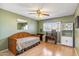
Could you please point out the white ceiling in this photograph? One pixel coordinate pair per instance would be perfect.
(54, 9)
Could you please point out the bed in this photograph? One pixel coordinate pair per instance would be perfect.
(22, 41)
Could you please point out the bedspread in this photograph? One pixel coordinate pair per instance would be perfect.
(26, 42)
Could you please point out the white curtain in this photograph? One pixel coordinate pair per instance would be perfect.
(52, 25)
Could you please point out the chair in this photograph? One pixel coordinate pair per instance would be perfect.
(51, 36)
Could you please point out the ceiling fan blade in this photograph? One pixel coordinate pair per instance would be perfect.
(46, 14)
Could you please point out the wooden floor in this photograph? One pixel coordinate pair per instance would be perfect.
(48, 49)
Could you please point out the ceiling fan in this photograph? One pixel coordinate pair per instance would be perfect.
(39, 12)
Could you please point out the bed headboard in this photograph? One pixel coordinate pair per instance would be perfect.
(20, 35)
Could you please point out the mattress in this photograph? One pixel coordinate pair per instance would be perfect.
(26, 42)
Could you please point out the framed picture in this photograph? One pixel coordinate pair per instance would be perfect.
(22, 24)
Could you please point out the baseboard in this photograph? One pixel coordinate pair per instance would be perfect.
(65, 45)
(76, 52)
(3, 50)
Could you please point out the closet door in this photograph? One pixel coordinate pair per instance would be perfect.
(67, 34)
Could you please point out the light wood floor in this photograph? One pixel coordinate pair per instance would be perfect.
(46, 49)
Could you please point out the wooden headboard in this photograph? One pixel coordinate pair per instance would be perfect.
(20, 35)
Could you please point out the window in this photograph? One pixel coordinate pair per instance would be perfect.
(52, 25)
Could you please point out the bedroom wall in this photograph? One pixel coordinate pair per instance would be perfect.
(8, 26)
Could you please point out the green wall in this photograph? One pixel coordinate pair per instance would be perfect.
(76, 31)
(8, 26)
